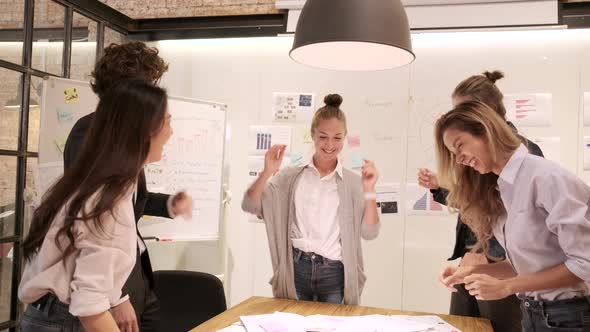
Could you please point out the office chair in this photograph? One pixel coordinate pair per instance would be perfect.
(188, 298)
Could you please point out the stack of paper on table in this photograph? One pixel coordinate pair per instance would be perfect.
(287, 322)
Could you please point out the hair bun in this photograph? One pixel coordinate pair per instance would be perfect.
(494, 75)
(333, 100)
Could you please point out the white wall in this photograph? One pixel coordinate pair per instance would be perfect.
(403, 262)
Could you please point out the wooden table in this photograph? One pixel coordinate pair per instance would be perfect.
(264, 305)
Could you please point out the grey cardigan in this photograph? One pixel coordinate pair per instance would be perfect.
(277, 208)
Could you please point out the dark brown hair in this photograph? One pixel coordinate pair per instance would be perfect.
(328, 111)
(112, 155)
(129, 61)
(483, 88)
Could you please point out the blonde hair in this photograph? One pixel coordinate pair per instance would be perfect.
(330, 110)
(474, 194)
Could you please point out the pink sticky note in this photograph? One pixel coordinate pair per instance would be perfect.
(273, 326)
(354, 141)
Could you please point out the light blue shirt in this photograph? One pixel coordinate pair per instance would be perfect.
(547, 221)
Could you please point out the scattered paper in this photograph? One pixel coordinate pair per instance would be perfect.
(278, 321)
(287, 322)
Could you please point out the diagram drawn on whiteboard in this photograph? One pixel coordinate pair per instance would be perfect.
(421, 149)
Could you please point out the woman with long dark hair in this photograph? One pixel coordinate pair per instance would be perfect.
(82, 243)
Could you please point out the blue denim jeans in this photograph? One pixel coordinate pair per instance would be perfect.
(556, 316)
(50, 316)
(318, 278)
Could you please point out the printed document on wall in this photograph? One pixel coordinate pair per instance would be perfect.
(261, 138)
(419, 201)
(529, 110)
(293, 107)
(388, 197)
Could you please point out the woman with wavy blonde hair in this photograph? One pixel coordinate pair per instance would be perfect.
(536, 209)
(504, 314)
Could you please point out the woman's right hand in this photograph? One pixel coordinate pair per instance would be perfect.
(452, 275)
(273, 158)
(427, 179)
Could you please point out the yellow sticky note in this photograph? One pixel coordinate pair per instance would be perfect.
(71, 95)
(307, 137)
(61, 144)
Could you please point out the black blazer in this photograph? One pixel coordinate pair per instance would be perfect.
(146, 203)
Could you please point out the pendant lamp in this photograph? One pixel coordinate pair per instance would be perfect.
(353, 35)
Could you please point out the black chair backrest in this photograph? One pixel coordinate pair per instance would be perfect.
(188, 298)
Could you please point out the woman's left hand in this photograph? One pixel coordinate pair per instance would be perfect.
(369, 176)
(484, 287)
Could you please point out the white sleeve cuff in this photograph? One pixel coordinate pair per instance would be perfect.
(119, 301)
(85, 303)
(578, 270)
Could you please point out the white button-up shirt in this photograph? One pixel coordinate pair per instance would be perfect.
(316, 205)
(547, 221)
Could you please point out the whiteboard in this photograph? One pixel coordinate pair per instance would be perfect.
(192, 159)
(64, 101)
(193, 162)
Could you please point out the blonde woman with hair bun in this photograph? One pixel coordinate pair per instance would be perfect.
(316, 215)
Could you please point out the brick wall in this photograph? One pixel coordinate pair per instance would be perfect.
(189, 8)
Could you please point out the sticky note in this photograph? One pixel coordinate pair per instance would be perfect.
(64, 115)
(307, 137)
(356, 162)
(71, 95)
(354, 141)
(296, 159)
(61, 144)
